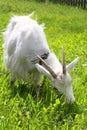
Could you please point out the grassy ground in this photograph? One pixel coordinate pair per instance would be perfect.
(65, 26)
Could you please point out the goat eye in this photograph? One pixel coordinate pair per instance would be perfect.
(60, 77)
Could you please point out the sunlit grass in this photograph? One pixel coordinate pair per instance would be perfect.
(65, 26)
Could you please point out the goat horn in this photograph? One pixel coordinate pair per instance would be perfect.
(47, 67)
(63, 61)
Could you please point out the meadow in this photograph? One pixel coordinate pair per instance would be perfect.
(64, 26)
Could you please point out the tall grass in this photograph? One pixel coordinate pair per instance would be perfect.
(65, 26)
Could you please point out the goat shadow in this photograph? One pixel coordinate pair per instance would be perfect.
(47, 96)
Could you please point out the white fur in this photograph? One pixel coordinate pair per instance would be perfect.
(24, 39)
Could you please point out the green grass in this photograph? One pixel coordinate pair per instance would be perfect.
(65, 26)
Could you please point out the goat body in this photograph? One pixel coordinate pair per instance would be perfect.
(25, 39)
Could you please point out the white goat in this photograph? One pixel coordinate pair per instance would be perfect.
(26, 52)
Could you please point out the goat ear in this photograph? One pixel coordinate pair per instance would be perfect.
(41, 69)
(72, 64)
